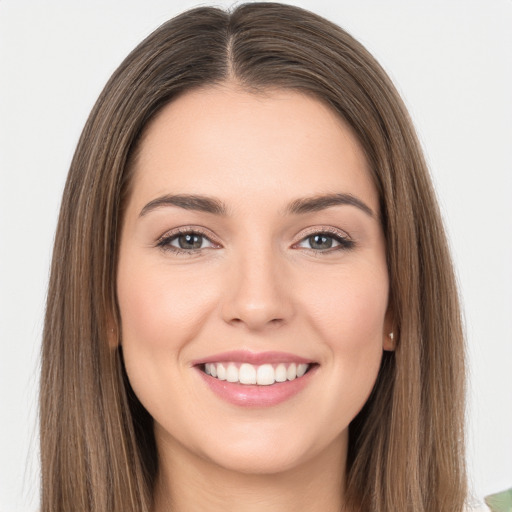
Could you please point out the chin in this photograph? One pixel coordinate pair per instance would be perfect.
(274, 452)
(265, 462)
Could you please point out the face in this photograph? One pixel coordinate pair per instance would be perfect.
(252, 279)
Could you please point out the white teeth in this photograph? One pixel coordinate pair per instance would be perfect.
(280, 373)
(232, 373)
(265, 375)
(291, 373)
(221, 372)
(301, 369)
(262, 375)
(247, 374)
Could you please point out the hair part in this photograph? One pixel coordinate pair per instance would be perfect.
(97, 446)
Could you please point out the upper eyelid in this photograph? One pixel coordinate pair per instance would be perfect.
(170, 233)
(206, 232)
(329, 230)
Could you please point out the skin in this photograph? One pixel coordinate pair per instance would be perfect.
(256, 284)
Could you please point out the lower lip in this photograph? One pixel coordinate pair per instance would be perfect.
(247, 395)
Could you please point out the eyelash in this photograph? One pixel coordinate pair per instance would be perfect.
(164, 242)
(344, 241)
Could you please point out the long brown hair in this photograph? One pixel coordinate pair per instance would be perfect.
(97, 446)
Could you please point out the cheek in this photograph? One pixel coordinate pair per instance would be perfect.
(160, 309)
(350, 312)
(161, 313)
(349, 318)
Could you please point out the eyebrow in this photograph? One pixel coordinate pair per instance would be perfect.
(187, 202)
(321, 202)
(299, 206)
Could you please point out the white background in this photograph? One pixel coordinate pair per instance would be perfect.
(451, 60)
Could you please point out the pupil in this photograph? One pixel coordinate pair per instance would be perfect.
(190, 241)
(320, 242)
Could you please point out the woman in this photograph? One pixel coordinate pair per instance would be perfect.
(252, 304)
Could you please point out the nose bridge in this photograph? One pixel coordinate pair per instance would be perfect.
(256, 295)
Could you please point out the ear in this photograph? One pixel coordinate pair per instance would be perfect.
(389, 336)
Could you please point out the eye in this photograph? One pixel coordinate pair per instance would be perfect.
(189, 241)
(326, 242)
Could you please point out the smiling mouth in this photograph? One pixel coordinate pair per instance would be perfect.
(260, 375)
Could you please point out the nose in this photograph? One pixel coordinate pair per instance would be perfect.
(257, 293)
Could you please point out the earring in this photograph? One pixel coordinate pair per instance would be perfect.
(391, 336)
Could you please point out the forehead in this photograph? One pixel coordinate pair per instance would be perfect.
(225, 141)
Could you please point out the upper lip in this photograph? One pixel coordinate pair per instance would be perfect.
(255, 358)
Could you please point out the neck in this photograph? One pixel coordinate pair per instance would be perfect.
(189, 483)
